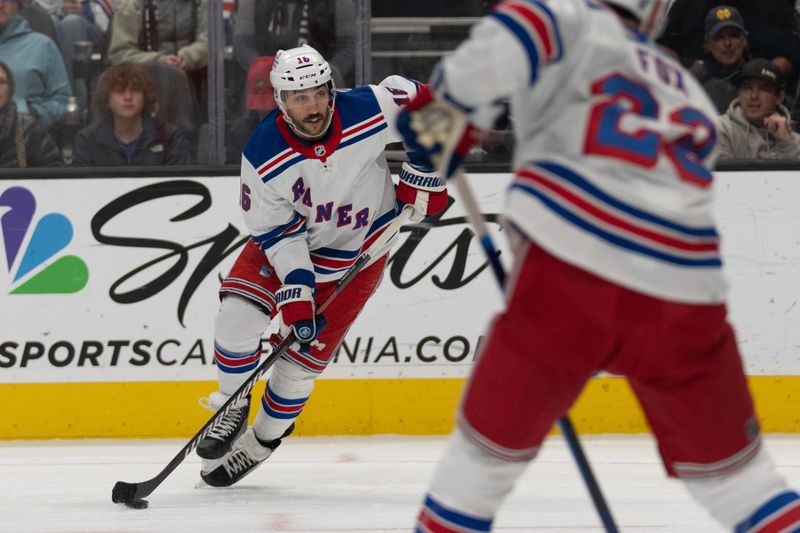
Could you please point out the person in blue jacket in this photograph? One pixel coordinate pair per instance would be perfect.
(43, 87)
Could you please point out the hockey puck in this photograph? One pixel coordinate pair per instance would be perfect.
(137, 504)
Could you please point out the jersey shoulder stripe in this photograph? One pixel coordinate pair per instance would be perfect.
(267, 150)
(577, 201)
(356, 106)
(279, 163)
(361, 131)
(535, 27)
(361, 115)
(265, 142)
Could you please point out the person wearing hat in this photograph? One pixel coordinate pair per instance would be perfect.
(771, 28)
(757, 125)
(726, 52)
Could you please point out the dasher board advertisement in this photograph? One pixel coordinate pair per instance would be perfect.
(109, 280)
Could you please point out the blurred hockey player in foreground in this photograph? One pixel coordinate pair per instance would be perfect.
(315, 192)
(616, 259)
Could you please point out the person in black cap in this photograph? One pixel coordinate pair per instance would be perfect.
(757, 125)
(726, 51)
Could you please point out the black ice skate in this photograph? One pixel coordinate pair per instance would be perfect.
(220, 439)
(248, 452)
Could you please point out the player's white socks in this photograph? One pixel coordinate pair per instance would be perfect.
(238, 328)
(284, 398)
(755, 495)
(475, 484)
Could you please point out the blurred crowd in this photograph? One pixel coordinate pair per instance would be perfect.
(125, 82)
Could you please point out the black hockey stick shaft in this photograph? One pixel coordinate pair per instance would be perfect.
(124, 492)
(564, 423)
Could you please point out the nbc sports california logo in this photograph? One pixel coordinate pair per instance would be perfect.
(34, 246)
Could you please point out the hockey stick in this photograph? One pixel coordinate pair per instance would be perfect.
(564, 423)
(131, 494)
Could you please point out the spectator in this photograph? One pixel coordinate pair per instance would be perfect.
(265, 26)
(23, 141)
(260, 101)
(128, 134)
(772, 30)
(173, 32)
(39, 20)
(726, 53)
(757, 125)
(42, 85)
(79, 21)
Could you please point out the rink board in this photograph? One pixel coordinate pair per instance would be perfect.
(337, 407)
(107, 328)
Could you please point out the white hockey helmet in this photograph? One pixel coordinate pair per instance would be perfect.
(647, 12)
(297, 69)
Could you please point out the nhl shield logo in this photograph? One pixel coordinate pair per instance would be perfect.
(319, 150)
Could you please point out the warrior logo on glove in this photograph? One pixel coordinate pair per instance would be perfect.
(295, 300)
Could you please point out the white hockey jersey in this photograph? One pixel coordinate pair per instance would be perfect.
(317, 205)
(614, 147)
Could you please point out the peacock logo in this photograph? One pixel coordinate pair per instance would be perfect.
(35, 272)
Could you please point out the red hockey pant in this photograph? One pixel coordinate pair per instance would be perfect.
(563, 324)
(254, 278)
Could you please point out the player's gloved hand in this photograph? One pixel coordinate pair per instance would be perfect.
(436, 132)
(295, 301)
(426, 192)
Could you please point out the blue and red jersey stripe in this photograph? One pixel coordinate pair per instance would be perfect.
(576, 200)
(535, 27)
(295, 226)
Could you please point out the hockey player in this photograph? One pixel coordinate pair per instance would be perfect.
(315, 192)
(616, 259)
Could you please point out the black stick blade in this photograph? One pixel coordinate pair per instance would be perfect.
(123, 492)
(137, 504)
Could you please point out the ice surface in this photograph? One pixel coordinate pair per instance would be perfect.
(341, 485)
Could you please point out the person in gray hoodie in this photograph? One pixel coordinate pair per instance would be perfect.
(757, 125)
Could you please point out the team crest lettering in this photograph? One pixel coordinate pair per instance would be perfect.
(343, 215)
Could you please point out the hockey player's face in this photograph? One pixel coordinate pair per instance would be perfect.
(127, 102)
(309, 109)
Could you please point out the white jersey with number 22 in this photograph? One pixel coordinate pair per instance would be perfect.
(615, 143)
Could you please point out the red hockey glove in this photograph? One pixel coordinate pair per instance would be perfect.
(426, 192)
(295, 301)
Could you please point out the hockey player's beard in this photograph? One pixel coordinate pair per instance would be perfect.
(313, 126)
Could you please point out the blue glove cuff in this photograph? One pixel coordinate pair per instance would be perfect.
(301, 276)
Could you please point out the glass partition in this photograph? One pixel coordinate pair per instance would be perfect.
(184, 82)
